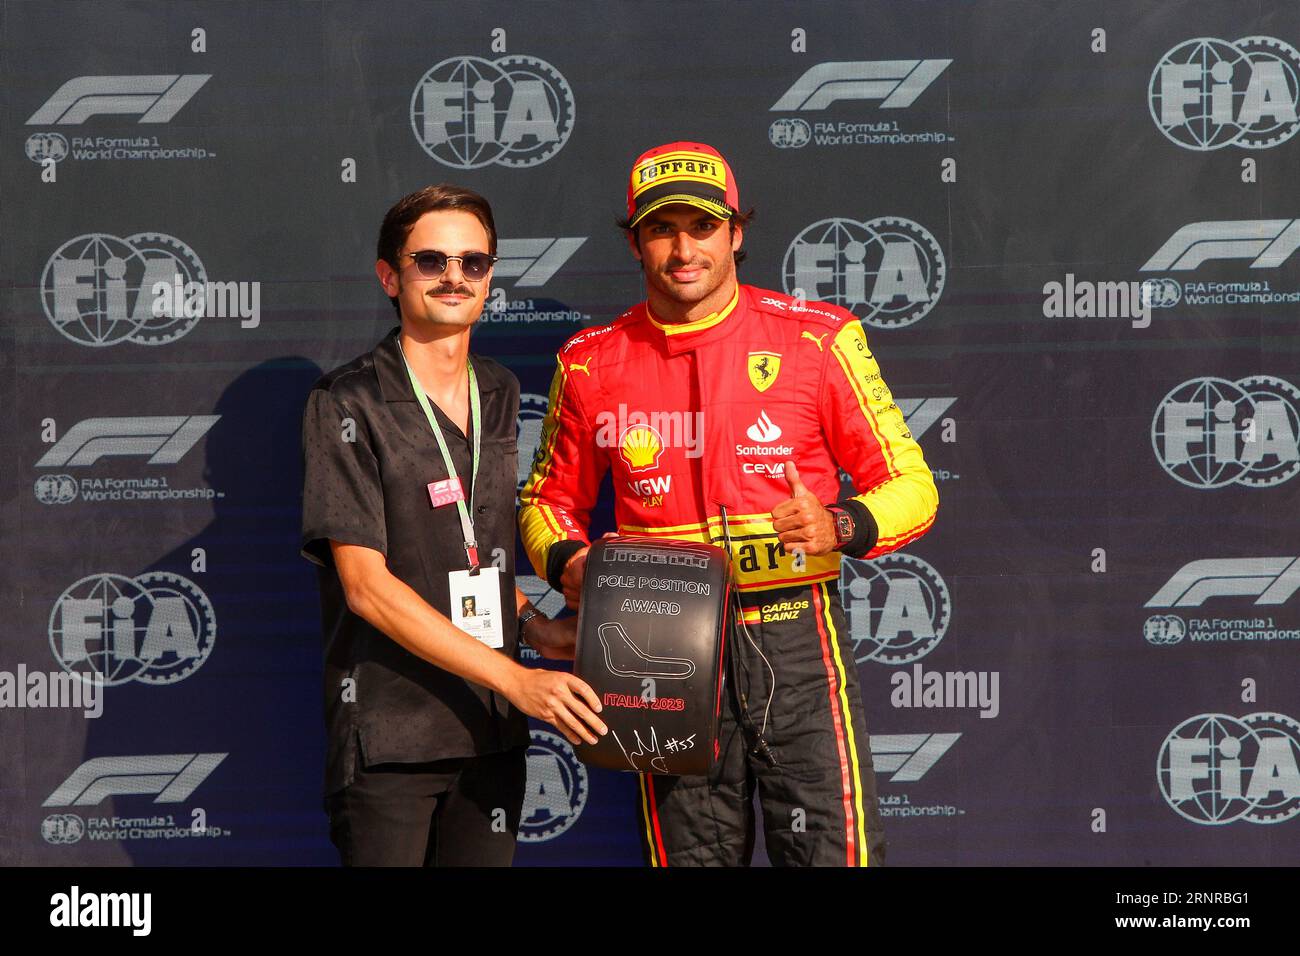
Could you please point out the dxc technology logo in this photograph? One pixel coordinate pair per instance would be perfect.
(1209, 93)
(468, 112)
(1211, 432)
(887, 271)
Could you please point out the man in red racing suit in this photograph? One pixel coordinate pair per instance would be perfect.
(716, 398)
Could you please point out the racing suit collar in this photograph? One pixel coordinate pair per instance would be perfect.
(682, 337)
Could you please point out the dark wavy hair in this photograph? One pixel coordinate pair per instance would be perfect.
(406, 212)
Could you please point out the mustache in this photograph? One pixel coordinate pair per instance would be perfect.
(452, 290)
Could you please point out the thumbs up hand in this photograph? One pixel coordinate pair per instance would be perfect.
(800, 521)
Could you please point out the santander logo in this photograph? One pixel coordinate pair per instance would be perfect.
(763, 430)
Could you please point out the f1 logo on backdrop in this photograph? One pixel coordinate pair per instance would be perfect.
(1209, 93)
(909, 757)
(886, 84)
(1211, 432)
(895, 83)
(533, 261)
(921, 413)
(164, 438)
(1268, 580)
(169, 778)
(156, 628)
(154, 98)
(1266, 242)
(887, 271)
(1215, 769)
(468, 112)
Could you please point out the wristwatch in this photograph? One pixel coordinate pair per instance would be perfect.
(529, 613)
(844, 525)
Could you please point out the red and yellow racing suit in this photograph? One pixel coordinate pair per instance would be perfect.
(696, 418)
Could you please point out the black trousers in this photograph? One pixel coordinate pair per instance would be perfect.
(818, 795)
(462, 812)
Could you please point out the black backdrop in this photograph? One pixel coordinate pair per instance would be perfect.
(1115, 568)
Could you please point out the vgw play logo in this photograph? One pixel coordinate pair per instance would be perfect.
(468, 112)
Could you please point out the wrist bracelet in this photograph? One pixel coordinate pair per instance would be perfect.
(524, 618)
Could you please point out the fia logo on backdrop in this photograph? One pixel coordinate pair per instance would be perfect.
(898, 607)
(1212, 432)
(147, 289)
(1215, 769)
(1208, 93)
(556, 790)
(155, 628)
(468, 112)
(887, 271)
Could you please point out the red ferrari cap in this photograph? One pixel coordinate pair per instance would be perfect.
(690, 173)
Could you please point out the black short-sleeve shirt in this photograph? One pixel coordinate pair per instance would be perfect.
(368, 456)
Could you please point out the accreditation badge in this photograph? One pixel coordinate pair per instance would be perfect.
(476, 604)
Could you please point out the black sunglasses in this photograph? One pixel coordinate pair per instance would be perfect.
(473, 265)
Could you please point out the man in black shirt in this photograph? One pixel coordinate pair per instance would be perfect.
(408, 509)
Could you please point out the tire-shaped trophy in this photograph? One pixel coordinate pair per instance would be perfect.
(652, 629)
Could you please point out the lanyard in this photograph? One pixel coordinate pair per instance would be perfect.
(475, 416)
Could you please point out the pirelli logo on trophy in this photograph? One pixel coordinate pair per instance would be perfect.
(650, 644)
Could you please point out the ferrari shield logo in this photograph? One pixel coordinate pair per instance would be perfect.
(763, 369)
